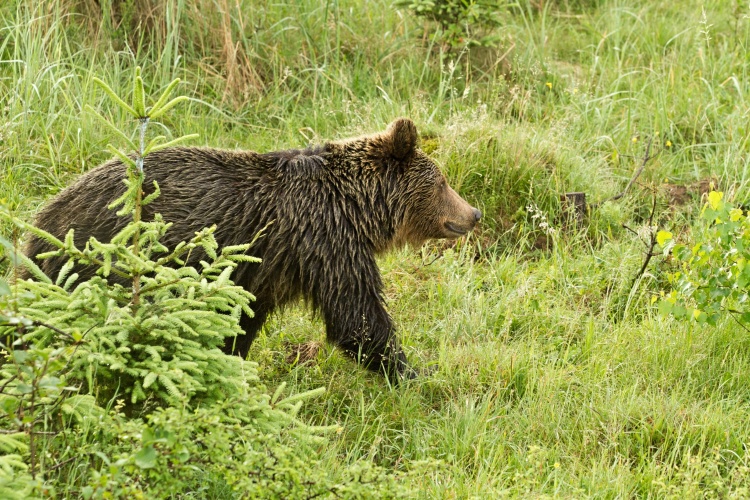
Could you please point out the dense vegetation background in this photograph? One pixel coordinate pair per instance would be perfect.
(555, 373)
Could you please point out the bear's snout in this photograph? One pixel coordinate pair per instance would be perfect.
(460, 217)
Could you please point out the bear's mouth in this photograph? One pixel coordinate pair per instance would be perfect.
(456, 230)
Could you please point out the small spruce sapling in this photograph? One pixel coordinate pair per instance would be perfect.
(161, 338)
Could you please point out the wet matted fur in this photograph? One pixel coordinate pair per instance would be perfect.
(327, 212)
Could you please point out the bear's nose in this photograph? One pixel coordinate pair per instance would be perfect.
(477, 215)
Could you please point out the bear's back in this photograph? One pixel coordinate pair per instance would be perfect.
(235, 190)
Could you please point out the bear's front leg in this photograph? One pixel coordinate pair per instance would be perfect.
(376, 354)
(357, 322)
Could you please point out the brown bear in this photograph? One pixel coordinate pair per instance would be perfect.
(325, 212)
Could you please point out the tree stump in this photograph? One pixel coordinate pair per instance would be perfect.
(574, 207)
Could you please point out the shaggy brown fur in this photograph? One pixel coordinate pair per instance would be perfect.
(327, 212)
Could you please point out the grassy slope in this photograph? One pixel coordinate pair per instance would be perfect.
(555, 377)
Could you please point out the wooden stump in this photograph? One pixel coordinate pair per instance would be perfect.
(574, 207)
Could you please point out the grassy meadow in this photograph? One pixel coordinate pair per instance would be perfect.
(555, 375)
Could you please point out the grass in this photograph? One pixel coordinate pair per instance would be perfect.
(555, 377)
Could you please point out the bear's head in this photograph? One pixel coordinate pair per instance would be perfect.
(427, 207)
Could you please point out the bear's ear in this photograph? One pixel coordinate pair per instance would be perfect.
(402, 134)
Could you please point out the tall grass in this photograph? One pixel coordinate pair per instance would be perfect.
(554, 375)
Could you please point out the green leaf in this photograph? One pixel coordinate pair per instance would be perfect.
(24, 388)
(182, 453)
(148, 435)
(699, 316)
(679, 312)
(50, 383)
(146, 458)
(20, 356)
(4, 288)
(662, 237)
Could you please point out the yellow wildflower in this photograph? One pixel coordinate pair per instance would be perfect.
(714, 198)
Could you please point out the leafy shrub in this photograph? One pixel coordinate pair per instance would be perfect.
(714, 275)
(460, 22)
